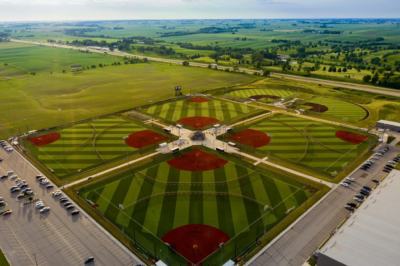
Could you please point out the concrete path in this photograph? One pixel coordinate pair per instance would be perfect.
(111, 170)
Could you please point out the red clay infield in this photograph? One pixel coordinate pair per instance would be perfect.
(45, 139)
(195, 241)
(144, 138)
(198, 99)
(197, 160)
(198, 122)
(251, 137)
(351, 137)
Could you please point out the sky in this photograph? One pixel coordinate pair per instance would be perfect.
(28, 10)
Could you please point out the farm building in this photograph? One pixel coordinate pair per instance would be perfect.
(391, 125)
(372, 234)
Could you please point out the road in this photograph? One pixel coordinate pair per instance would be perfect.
(299, 241)
(347, 85)
(28, 238)
(342, 84)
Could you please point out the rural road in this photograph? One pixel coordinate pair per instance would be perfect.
(347, 85)
(299, 241)
(29, 238)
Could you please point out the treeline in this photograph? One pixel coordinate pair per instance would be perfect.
(4, 37)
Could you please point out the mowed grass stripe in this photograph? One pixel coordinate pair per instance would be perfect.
(182, 206)
(210, 208)
(125, 216)
(225, 218)
(154, 208)
(246, 190)
(196, 199)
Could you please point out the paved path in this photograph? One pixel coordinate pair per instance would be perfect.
(347, 85)
(111, 169)
(288, 170)
(28, 238)
(299, 241)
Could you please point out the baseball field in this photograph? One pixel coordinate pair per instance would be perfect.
(199, 202)
(73, 149)
(199, 112)
(324, 148)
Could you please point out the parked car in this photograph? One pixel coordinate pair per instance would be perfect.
(45, 210)
(75, 212)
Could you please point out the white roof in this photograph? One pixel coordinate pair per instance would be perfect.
(387, 122)
(372, 235)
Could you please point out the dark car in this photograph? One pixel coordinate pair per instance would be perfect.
(376, 181)
(89, 260)
(364, 193)
(367, 188)
(349, 208)
(352, 204)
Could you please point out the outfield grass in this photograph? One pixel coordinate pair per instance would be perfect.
(309, 144)
(339, 109)
(146, 203)
(224, 111)
(47, 100)
(86, 145)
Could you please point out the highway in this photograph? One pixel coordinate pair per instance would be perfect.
(347, 85)
(29, 238)
(299, 241)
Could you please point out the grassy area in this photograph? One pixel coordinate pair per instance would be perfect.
(308, 144)
(243, 201)
(3, 260)
(46, 100)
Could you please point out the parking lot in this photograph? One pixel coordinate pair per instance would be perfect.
(53, 237)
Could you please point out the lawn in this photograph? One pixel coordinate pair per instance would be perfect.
(86, 145)
(307, 144)
(219, 110)
(3, 260)
(51, 99)
(242, 201)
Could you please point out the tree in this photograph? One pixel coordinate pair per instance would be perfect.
(185, 63)
(375, 78)
(367, 78)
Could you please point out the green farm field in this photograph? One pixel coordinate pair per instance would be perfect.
(308, 144)
(223, 111)
(86, 145)
(51, 99)
(244, 202)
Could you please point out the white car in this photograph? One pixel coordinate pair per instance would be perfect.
(56, 194)
(344, 185)
(45, 209)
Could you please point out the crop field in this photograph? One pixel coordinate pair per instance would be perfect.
(324, 148)
(71, 150)
(339, 109)
(199, 108)
(152, 203)
(49, 99)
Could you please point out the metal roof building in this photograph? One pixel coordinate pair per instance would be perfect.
(372, 234)
(385, 124)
